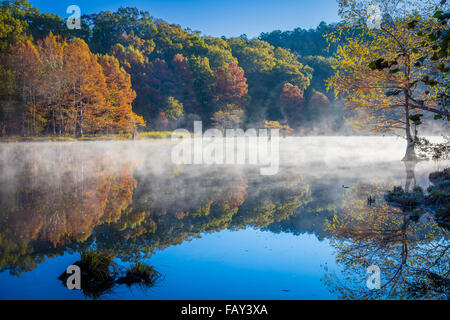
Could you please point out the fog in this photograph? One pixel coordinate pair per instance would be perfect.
(129, 197)
(342, 160)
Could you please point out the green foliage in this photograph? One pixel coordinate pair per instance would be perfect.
(383, 74)
(267, 69)
(12, 22)
(323, 70)
(174, 109)
(175, 72)
(230, 116)
(310, 42)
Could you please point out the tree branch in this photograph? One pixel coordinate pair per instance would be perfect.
(437, 111)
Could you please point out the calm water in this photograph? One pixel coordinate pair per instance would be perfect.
(220, 232)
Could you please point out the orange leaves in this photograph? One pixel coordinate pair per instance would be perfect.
(292, 104)
(291, 94)
(120, 117)
(24, 61)
(285, 129)
(65, 85)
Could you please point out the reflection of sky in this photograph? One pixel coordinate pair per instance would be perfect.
(245, 264)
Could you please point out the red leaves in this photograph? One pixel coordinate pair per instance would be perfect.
(231, 84)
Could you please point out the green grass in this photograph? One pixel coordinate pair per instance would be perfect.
(140, 273)
(159, 135)
(97, 265)
(97, 137)
(36, 139)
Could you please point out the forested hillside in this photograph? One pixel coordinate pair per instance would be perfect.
(126, 70)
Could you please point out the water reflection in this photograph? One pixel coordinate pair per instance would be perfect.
(130, 201)
(405, 242)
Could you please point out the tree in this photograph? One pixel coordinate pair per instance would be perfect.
(204, 82)
(174, 109)
(323, 70)
(231, 85)
(120, 117)
(319, 106)
(228, 117)
(86, 88)
(185, 83)
(411, 253)
(108, 28)
(137, 64)
(25, 62)
(293, 104)
(304, 42)
(267, 69)
(436, 55)
(285, 129)
(52, 87)
(378, 70)
(12, 22)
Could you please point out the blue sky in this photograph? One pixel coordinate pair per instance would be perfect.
(216, 17)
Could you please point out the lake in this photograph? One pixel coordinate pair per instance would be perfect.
(221, 231)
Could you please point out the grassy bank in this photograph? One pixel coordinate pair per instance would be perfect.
(100, 137)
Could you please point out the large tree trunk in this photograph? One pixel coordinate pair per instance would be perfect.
(410, 154)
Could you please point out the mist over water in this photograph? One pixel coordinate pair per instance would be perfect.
(127, 197)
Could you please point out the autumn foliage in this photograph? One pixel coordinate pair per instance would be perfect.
(67, 89)
(124, 70)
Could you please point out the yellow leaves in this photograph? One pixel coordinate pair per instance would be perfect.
(368, 90)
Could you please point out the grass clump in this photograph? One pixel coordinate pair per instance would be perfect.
(99, 266)
(98, 271)
(100, 274)
(140, 273)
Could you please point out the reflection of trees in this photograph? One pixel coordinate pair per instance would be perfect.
(410, 182)
(272, 201)
(321, 204)
(52, 210)
(411, 253)
(212, 202)
(78, 198)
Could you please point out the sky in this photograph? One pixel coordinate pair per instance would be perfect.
(216, 17)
